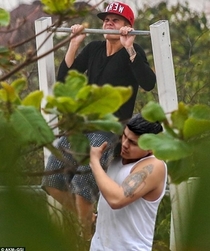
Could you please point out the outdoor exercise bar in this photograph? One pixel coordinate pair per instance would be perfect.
(102, 31)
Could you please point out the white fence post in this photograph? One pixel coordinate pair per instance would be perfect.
(166, 85)
(46, 65)
(163, 60)
(46, 72)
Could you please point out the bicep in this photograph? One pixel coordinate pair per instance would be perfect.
(133, 183)
(146, 183)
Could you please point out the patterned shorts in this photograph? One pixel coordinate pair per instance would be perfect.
(81, 184)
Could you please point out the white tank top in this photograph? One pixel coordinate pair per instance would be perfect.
(130, 228)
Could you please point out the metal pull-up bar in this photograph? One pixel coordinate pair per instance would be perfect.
(102, 31)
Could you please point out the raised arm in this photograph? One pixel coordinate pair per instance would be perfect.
(139, 65)
(74, 43)
(146, 180)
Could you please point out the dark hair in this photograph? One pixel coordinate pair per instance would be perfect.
(138, 125)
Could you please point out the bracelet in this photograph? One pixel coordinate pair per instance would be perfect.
(132, 53)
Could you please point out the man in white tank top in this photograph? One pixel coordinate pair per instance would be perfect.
(130, 192)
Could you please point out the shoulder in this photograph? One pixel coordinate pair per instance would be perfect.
(154, 173)
(152, 165)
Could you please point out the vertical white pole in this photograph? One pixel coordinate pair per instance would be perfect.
(46, 73)
(163, 60)
(46, 67)
(166, 85)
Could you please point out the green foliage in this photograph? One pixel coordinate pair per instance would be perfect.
(64, 8)
(53, 6)
(153, 112)
(25, 222)
(83, 108)
(189, 126)
(182, 135)
(79, 108)
(4, 57)
(87, 104)
(184, 143)
(26, 121)
(4, 17)
(190, 40)
(162, 228)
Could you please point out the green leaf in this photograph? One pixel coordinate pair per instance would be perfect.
(51, 102)
(179, 116)
(9, 140)
(3, 95)
(33, 99)
(109, 124)
(10, 92)
(4, 50)
(62, 104)
(201, 112)
(66, 105)
(198, 122)
(194, 127)
(80, 147)
(24, 211)
(180, 170)
(4, 17)
(19, 84)
(31, 125)
(153, 112)
(164, 146)
(73, 83)
(104, 100)
(54, 6)
(125, 92)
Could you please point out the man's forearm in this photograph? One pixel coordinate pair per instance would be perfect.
(108, 187)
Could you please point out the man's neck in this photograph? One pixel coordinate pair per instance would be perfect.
(128, 161)
(112, 47)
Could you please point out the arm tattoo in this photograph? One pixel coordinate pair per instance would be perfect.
(135, 180)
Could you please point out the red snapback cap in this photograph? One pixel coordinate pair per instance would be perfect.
(118, 8)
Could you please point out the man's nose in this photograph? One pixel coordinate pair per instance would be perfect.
(125, 143)
(109, 21)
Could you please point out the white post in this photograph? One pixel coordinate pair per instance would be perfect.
(46, 72)
(166, 85)
(46, 66)
(163, 60)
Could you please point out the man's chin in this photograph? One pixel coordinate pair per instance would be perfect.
(124, 155)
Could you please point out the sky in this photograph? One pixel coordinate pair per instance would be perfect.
(194, 4)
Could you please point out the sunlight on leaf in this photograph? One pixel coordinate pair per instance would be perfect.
(61, 104)
(19, 84)
(10, 93)
(57, 7)
(33, 99)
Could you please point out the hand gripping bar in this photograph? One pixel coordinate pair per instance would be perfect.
(102, 31)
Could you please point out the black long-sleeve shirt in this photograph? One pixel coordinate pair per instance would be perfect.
(116, 70)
